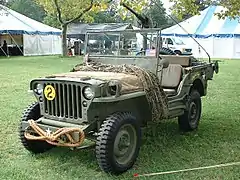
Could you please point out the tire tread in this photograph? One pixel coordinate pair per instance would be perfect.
(105, 138)
(32, 112)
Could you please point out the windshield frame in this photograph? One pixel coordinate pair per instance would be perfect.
(156, 37)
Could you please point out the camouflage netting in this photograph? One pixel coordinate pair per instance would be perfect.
(156, 97)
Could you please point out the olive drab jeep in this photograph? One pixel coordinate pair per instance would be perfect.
(114, 93)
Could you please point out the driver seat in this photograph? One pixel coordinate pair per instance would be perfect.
(171, 78)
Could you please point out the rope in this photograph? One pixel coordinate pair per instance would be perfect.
(186, 170)
(155, 95)
(54, 138)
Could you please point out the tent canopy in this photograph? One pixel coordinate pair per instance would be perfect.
(12, 22)
(36, 38)
(206, 25)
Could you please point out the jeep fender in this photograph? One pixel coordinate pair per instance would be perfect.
(136, 103)
(199, 85)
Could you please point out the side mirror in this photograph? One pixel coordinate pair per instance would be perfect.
(164, 63)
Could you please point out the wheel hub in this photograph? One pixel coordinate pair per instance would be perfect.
(193, 113)
(193, 110)
(125, 144)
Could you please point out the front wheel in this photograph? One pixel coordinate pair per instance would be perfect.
(178, 52)
(166, 51)
(35, 147)
(190, 119)
(118, 143)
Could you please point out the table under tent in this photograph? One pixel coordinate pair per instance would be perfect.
(20, 35)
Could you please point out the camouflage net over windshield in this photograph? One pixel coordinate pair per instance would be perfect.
(156, 97)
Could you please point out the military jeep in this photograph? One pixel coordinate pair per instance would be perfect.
(110, 108)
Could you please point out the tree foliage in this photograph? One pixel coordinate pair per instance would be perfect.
(183, 8)
(52, 20)
(108, 16)
(157, 14)
(28, 8)
(69, 11)
(3, 2)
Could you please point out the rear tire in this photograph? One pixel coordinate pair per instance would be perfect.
(189, 121)
(33, 112)
(112, 156)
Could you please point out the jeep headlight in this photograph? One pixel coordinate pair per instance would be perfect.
(38, 89)
(88, 93)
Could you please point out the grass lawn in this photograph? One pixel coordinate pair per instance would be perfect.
(216, 141)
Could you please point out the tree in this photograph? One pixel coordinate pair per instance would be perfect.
(108, 16)
(69, 11)
(157, 14)
(154, 16)
(28, 8)
(3, 2)
(193, 7)
(52, 20)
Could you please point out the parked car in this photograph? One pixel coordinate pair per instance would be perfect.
(176, 45)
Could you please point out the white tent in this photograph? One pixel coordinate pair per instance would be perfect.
(29, 36)
(221, 38)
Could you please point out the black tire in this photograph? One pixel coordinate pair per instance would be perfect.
(178, 52)
(189, 121)
(106, 151)
(166, 51)
(35, 147)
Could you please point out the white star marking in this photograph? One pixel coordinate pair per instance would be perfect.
(48, 131)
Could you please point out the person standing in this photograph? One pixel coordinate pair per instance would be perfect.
(5, 47)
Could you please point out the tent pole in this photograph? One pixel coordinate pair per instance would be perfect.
(233, 55)
(4, 52)
(15, 43)
(213, 51)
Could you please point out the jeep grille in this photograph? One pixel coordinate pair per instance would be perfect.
(66, 104)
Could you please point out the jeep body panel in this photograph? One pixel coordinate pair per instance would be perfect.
(136, 103)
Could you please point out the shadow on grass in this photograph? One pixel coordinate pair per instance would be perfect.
(167, 131)
(83, 157)
(168, 148)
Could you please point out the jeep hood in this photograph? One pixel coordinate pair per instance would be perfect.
(130, 83)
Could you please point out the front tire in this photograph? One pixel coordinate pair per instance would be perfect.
(35, 147)
(166, 51)
(178, 52)
(189, 121)
(118, 143)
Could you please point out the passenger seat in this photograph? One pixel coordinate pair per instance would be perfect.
(171, 78)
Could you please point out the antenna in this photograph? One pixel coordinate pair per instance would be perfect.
(209, 58)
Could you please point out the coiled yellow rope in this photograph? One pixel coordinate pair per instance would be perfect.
(54, 138)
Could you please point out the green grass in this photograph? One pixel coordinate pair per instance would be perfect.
(216, 141)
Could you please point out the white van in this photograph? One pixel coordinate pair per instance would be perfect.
(176, 45)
